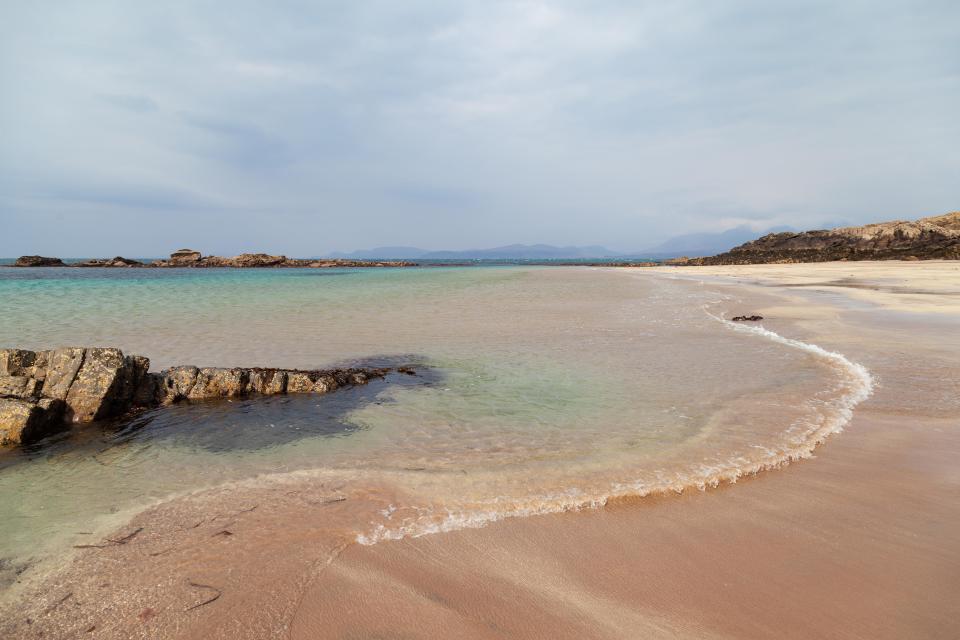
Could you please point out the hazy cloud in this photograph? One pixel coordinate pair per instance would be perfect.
(306, 127)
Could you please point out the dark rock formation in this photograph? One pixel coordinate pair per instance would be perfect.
(747, 318)
(188, 258)
(925, 239)
(42, 391)
(38, 261)
(119, 261)
(184, 257)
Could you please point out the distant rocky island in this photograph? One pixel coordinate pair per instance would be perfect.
(934, 238)
(190, 258)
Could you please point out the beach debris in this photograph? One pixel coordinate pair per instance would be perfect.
(213, 598)
(127, 538)
(109, 541)
(747, 318)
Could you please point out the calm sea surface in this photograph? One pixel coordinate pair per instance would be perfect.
(539, 389)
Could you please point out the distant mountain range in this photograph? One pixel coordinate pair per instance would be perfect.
(510, 252)
(706, 244)
(691, 244)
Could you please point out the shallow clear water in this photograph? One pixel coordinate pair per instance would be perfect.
(539, 389)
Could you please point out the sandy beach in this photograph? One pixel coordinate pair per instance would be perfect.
(863, 541)
(860, 541)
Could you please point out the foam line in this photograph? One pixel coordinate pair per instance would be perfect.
(859, 385)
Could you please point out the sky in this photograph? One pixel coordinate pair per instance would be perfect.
(301, 128)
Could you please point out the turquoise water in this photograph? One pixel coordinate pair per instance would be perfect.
(539, 389)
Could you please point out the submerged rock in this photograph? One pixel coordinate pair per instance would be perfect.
(747, 318)
(42, 391)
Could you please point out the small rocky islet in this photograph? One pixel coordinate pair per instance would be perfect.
(42, 392)
(194, 259)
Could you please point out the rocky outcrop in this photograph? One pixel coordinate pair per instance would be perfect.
(924, 239)
(38, 261)
(119, 261)
(190, 258)
(184, 257)
(42, 391)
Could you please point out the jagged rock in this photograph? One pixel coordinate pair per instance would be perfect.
(220, 383)
(61, 370)
(38, 261)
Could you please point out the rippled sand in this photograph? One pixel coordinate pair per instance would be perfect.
(751, 560)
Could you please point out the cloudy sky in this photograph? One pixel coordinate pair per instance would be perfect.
(305, 127)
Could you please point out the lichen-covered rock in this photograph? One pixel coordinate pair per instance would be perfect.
(219, 383)
(300, 382)
(16, 362)
(178, 382)
(23, 387)
(267, 381)
(325, 384)
(91, 395)
(23, 421)
(61, 370)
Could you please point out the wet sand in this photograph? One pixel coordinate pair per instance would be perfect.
(861, 541)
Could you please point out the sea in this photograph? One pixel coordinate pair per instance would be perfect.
(538, 389)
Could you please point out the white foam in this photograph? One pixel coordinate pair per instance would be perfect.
(858, 385)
